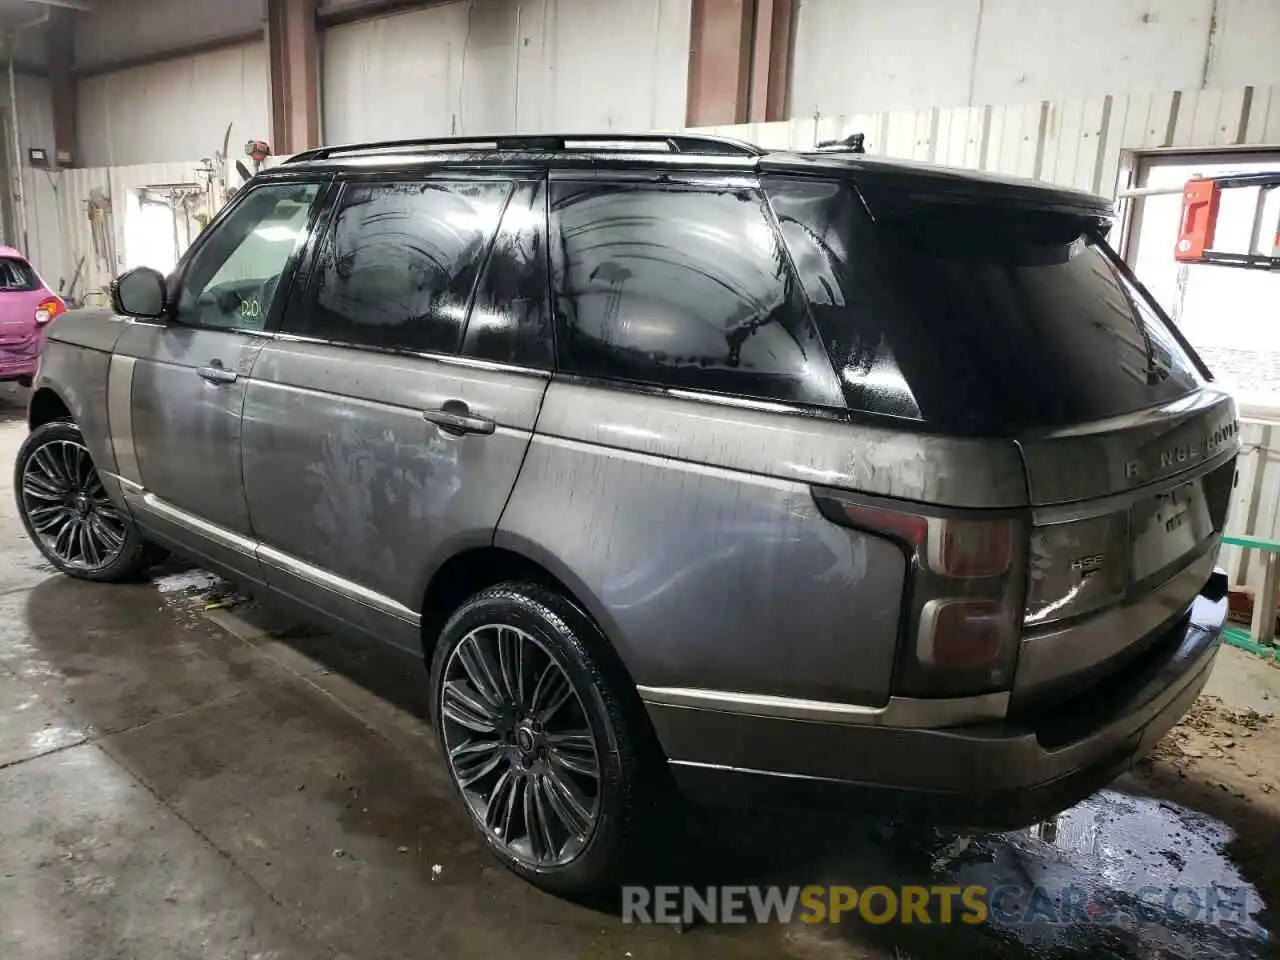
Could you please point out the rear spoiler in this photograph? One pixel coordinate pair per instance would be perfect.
(887, 198)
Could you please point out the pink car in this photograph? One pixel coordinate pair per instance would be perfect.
(27, 306)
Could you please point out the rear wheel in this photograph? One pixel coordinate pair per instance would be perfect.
(67, 512)
(535, 732)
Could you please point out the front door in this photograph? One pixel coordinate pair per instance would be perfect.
(186, 379)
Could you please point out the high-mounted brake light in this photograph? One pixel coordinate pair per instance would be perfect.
(965, 592)
(48, 309)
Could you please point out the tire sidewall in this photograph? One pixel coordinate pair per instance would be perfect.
(127, 563)
(561, 630)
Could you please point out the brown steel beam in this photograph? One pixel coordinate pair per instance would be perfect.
(719, 62)
(294, 75)
(739, 61)
(771, 60)
(350, 11)
(60, 49)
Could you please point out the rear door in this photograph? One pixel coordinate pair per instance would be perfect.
(385, 427)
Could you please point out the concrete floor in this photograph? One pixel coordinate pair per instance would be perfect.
(182, 782)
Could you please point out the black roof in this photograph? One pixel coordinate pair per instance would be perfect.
(888, 185)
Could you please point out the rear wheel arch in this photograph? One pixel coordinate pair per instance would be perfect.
(468, 572)
(465, 574)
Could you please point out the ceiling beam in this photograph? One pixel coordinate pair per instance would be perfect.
(226, 41)
(351, 11)
(65, 4)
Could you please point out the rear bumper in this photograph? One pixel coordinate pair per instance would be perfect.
(1002, 774)
(16, 368)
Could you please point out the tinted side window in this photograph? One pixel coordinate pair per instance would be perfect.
(510, 320)
(398, 265)
(230, 282)
(681, 286)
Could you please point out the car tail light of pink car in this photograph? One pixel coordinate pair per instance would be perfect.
(27, 307)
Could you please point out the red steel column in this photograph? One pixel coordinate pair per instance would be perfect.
(771, 60)
(295, 75)
(719, 62)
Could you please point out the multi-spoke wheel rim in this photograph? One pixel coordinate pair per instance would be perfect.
(519, 745)
(68, 508)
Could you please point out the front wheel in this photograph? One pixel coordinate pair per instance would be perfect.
(540, 744)
(67, 512)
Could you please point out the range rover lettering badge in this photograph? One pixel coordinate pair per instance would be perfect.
(1185, 452)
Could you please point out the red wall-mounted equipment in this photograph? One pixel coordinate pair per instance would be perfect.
(1200, 199)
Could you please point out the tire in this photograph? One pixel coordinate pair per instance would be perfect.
(547, 626)
(120, 557)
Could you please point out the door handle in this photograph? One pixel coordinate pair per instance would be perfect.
(456, 417)
(217, 373)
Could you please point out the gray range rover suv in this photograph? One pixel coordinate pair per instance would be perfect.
(798, 477)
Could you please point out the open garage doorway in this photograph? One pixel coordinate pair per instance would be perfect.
(1231, 315)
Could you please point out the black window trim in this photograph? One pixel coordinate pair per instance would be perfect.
(302, 294)
(1121, 267)
(539, 180)
(693, 178)
(176, 279)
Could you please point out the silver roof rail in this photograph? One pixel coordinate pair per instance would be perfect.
(692, 143)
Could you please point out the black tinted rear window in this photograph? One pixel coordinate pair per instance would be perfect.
(976, 321)
(16, 276)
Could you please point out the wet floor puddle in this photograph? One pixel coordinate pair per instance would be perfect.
(1117, 875)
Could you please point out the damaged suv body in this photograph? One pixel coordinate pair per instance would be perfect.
(797, 475)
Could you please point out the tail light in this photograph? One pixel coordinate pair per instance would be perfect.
(48, 309)
(965, 590)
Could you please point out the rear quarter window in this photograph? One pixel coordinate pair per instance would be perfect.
(681, 286)
(16, 276)
(976, 321)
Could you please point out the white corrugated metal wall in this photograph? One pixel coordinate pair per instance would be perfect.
(174, 110)
(1077, 143)
(858, 55)
(485, 66)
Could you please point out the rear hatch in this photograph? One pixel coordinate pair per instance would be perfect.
(21, 292)
(997, 310)
(1129, 448)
